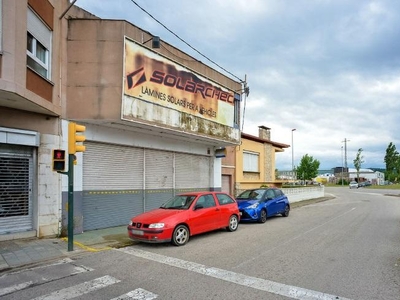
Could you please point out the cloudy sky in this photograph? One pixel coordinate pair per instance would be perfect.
(328, 68)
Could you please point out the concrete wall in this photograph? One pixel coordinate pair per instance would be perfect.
(305, 193)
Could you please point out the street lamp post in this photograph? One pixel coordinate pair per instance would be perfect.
(293, 153)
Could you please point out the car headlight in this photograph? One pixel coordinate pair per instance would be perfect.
(130, 223)
(157, 225)
(253, 206)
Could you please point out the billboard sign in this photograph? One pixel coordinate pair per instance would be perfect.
(152, 78)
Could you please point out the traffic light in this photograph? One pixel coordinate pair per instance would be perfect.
(58, 160)
(75, 137)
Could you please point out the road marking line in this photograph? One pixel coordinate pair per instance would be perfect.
(240, 279)
(138, 294)
(87, 248)
(80, 289)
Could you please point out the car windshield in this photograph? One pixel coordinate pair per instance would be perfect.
(251, 195)
(179, 202)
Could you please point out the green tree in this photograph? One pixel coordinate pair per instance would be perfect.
(308, 168)
(392, 161)
(358, 161)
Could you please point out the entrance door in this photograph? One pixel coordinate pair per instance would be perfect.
(16, 176)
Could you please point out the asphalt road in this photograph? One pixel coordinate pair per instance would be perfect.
(344, 248)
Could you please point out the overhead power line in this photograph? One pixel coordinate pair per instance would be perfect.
(182, 40)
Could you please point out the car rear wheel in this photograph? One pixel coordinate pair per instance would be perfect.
(263, 216)
(286, 212)
(233, 223)
(180, 236)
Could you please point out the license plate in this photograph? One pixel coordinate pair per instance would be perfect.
(137, 232)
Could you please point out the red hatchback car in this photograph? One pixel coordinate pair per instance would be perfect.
(185, 215)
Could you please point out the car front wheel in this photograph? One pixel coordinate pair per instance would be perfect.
(233, 223)
(286, 211)
(263, 216)
(180, 236)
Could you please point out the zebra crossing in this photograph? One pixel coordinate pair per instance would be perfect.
(16, 285)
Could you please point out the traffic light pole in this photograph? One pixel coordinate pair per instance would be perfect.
(71, 202)
(74, 135)
(70, 206)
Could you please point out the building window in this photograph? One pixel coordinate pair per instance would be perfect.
(38, 46)
(37, 56)
(250, 162)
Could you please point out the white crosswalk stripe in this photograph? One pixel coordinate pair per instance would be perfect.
(38, 276)
(138, 294)
(80, 289)
(13, 283)
(57, 263)
(15, 287)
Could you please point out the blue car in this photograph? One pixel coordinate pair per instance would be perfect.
(259, 204)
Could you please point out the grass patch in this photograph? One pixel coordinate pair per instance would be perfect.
(374, 187)
(385, 187)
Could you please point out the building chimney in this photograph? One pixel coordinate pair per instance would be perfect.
(264, 133)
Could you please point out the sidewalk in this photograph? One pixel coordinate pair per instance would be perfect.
(22, 252)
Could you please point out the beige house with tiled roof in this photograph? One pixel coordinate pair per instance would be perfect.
(252, 163)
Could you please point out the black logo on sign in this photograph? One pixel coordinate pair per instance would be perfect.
(130, 76)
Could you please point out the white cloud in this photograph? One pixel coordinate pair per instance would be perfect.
(330, 69)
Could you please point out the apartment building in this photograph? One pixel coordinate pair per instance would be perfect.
(154, 118)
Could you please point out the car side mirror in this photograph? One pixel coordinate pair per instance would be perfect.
(198, 206)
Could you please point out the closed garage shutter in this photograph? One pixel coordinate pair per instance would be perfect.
(159, 168)
(192, 171)
(112, 167)
(112, 184)
(120, 181)
(16, 176)
(159, 177)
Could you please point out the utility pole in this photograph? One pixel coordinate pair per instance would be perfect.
(345, 156)
(342, 164)
(293, 155)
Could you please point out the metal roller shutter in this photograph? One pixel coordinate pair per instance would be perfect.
(112, 184)
(16, 176)
(192, 171)
(112, 167)
(159, 182)
(159, 169)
